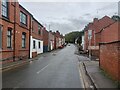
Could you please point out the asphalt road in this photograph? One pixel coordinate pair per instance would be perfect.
(57, 69)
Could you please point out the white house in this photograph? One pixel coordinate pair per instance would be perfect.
(83, 42)
(36, 46)
(36, 35)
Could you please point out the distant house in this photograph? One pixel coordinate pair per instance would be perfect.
(55, 40)
(51, 41)
(36, 38)
(83, 42)
(110, 50)
(62, 39)
(58, 40)
(92, 42)
(45, 40)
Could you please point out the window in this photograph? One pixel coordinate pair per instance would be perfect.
(0, 37)
(33, 44)
(39, 44)
(9, 38)
(23, 18)
(39, 29)
(5, 8)
(23, 40)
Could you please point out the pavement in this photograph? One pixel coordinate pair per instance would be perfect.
(98, 78)
(57, 69)
(92, 71)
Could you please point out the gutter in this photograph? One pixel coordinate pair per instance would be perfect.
(14, 31)
(92, 81)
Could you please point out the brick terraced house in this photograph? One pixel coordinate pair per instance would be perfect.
(21, 35)
(59, 39)
(19, 29)
(51, 41)
(15, 27)
(45, 40)
(95, 27)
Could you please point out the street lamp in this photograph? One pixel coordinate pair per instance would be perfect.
(89, 38)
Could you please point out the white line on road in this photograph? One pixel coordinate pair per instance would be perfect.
(81, 77)
(42, 69)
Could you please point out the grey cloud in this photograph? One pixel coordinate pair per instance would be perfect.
(78, 22)
(75, 24)
(67, 17)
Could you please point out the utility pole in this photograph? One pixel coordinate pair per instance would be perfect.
(89, 38)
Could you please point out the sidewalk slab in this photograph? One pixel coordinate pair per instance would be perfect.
(13, 65)
(98, 78)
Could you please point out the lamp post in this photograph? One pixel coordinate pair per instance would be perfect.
(89, 38)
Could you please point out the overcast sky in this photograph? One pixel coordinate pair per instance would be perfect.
(69, 16)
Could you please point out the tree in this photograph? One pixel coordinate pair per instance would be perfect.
(72, 36)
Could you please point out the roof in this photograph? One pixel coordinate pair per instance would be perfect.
(30, 15)
(100, 24)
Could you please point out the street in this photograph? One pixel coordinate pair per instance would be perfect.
(57, 69)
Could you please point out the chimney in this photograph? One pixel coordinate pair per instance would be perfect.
(95, 20)
(50, 31)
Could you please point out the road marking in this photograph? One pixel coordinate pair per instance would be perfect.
(82, 81)
(42, 69)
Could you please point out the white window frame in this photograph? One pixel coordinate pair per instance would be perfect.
(23, 18)
(9, 38)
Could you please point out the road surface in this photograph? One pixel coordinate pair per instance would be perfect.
(57, 69)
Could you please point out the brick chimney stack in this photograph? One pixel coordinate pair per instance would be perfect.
(95, 20)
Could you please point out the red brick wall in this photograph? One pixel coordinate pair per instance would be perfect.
(95, 53)
(18, 41)
(93, 39)
(16, 50)
(7, 52)
(35, 33)
(45, 37)
(98, 38)
(110, 60)
(86, 40)
(119, 60)
(34, 54)
(110, 33)
(19, 29)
